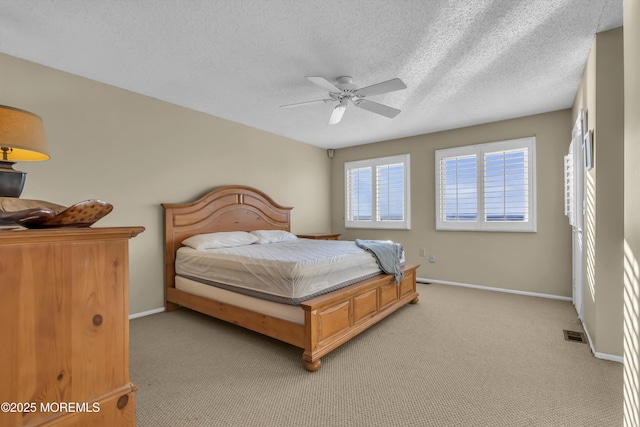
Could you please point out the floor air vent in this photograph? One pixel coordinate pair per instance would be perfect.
(575, 336)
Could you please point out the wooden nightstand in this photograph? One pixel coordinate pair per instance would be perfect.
(319, 236)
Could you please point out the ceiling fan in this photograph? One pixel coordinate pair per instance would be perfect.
(344, 91)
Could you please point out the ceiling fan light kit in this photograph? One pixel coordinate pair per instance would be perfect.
(338, 112)
(345, 90)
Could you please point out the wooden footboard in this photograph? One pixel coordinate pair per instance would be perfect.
(333, 319)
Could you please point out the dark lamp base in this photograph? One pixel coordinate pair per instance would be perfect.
(11, 180)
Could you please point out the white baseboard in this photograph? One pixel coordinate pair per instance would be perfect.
(487, 288)
(586, 331)
(146, 313)
(597, 354)
(611, 357)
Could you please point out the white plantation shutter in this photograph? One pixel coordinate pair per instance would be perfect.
(377, 193)
(569, 182)
(486, 187)
(359, 191)
(390, 192)
(506, 186)
(458, 188)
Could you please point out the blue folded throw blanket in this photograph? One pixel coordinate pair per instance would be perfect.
(387, 255)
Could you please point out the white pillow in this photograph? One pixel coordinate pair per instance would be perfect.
(223, 239)
(273, 236)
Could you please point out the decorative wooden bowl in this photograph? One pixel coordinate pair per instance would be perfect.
(41, 214)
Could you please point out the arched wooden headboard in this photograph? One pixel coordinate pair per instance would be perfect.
(229, 208)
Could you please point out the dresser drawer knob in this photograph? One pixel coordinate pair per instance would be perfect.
(97, 320)
(122, 402)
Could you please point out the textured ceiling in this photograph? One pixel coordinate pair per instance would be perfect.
(464, 62)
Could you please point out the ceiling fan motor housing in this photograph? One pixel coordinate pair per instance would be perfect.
(345, 83)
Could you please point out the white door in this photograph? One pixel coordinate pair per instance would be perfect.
(577, 154)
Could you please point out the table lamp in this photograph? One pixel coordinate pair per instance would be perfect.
(21, 139)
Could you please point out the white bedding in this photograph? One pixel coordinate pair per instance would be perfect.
(284, 272)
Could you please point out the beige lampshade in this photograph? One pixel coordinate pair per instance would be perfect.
(23, 133)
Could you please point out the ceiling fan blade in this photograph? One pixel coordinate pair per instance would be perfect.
(298, 104)
(374, 107)
(384, 87)
(337, 113)
(324, 83)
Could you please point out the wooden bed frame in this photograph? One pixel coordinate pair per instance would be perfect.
(330, 320)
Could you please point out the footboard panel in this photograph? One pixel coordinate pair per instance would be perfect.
(333, 319)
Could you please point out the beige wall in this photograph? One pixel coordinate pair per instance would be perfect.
(601, 94)
(631, 213)
(137, 152)
(532, 262)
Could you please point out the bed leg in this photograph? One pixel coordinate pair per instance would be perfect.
(415, 300)
(312, 365)
(170, 306)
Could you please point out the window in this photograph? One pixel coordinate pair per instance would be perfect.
(377, 193)
(487, 187)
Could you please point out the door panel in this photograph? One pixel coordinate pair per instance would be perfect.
(578, 211)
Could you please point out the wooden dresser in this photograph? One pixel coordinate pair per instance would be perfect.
(64, 327)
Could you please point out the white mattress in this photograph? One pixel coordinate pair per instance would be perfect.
(284, 272)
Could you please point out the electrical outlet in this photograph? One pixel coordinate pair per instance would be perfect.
(421, 252)
(432, 258)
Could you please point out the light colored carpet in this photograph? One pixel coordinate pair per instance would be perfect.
(460, 357)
